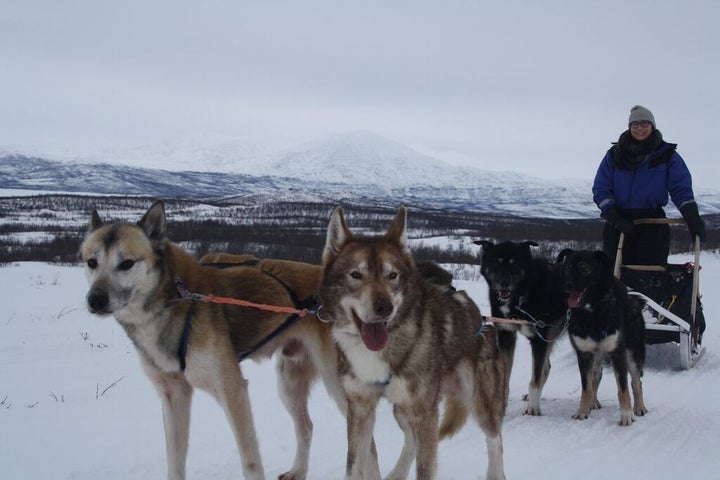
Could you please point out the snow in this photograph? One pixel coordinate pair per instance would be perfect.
(75, 404)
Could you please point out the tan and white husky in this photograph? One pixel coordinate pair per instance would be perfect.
(138, 275)
(414, 341)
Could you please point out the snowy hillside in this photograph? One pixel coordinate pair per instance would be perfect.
(75, 405)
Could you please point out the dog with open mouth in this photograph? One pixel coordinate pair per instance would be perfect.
(604, 320)
(403, 333)
(527, 288)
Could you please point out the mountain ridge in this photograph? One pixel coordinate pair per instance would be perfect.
(21, 173)
(358, 166)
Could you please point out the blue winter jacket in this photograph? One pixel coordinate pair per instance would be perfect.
(646, 187)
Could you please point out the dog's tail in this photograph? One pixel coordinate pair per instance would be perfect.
(454, 417)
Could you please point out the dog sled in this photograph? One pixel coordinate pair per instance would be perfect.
(673, 311)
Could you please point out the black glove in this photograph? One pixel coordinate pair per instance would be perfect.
(695, 224)
(613, 217)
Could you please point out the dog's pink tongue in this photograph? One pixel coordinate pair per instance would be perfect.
(574, 299)
(374, 335)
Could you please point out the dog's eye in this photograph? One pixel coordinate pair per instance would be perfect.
(356, 275)
(393, 275)
(126, 265)
(92, 264)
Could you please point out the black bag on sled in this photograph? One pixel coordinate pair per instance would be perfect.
(672, 289)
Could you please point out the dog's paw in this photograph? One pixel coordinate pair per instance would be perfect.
(626, 418)
(640, 410)
(533, 411)
(291, 476)
(581, 415)
(294, 474)
(595, 405)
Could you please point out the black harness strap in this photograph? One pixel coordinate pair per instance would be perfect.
(309, 303)
(286, 324)
(185, 339)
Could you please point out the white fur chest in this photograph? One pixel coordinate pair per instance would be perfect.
(369, 367)
(506, 313)
(607, 344)
(145, 331)
(505, 308)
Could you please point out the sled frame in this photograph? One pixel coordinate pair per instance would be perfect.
(690, 349)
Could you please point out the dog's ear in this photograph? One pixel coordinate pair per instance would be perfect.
(566, 252)
(154, 223)
(95, 221)
(337, 235)
(485, 244)
(398, 229)
(525, 248)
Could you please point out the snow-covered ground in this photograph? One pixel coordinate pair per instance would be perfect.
(75, 404)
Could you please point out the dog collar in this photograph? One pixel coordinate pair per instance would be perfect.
(384, 383)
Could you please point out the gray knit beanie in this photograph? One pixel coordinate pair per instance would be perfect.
(639, 113)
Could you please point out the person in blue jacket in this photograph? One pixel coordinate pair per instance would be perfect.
(634, 180)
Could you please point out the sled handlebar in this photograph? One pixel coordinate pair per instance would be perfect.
(658, 221)
(696, 278)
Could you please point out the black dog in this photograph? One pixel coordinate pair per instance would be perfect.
(529, 289)
(604, 320)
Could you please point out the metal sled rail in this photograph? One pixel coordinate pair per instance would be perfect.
(690, 350)
(680, 324)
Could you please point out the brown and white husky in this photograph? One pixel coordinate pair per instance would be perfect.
(134, 272)
(412, 340)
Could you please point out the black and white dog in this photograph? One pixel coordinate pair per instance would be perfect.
(604, 320)
(529, 289)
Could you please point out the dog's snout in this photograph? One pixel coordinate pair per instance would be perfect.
(383, 307)
(98, 300)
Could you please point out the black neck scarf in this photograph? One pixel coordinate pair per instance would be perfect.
(630, 154)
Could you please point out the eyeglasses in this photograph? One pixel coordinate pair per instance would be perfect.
(642, 124)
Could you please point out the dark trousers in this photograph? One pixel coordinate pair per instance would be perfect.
(647, 245)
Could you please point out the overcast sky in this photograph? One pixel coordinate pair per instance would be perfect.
(535, 87)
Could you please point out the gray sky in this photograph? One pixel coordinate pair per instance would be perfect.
(535, 87)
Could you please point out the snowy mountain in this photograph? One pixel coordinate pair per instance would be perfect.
(352, 167)
(20, 173)
(363, 157)
(210, 153)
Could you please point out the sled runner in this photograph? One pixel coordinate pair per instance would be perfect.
(671, 293)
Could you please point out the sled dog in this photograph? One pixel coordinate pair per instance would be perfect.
(604, 319)
(141, 278)
(527, 288)
(413, 341)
